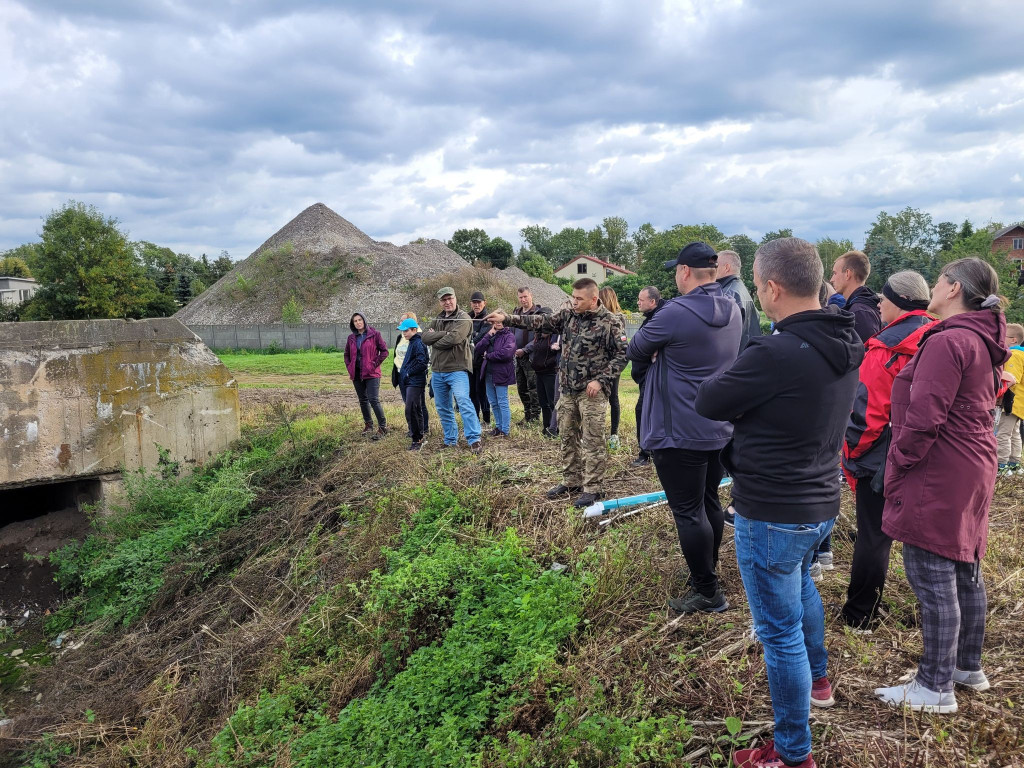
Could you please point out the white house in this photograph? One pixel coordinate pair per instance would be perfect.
(15, 290)
(592, 267)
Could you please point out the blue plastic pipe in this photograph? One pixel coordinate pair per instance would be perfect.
(601, 507)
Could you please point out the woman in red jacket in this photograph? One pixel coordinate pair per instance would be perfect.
(905, 298)
(939, 478)
(365, 350)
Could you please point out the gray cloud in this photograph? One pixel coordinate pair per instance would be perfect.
(206, 126)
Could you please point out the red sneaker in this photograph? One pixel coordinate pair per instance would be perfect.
(821, 693)
(766, 757)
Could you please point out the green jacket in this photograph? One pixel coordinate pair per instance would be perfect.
(593, 345)
(451, 344)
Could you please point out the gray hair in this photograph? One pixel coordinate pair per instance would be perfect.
(732, 259)
(792, 263)
(979, 283)
(910, 285)
(652, 293)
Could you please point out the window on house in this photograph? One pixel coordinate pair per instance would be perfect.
(581, 268)
(1018, 243)
(608, 273)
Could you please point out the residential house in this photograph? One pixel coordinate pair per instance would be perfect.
(596, 269)
(15, 290)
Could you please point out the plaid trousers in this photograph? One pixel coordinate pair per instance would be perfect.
(953, 605)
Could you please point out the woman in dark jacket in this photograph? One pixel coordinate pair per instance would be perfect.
(497, 350)
(413, 378)
(905, 297)
(365, 350)
(939, 477)
(544, 356)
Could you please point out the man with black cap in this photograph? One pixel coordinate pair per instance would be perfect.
(478, 311)
(526, 377)
(692, 337)
(451, 339)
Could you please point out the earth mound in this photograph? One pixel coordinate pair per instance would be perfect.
(320, 268)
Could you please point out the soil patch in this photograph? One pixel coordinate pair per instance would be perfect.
(26, 576)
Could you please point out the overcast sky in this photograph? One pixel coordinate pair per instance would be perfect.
(205, 126)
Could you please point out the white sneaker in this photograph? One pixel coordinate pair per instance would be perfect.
(816, 571)
(976, 681)
(825, 558)
(917, 698)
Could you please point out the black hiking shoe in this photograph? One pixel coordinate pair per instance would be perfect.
(586, 499)
(563, 490)
(695, 601)
(381, 434)
(641, 461)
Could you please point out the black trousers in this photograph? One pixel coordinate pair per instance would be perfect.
(423, 405)
(639, 411)
(368, 392)
(478, 395)
(690, 480)
(415, 411)
(546, 396)
(870, 558)
(613, 401)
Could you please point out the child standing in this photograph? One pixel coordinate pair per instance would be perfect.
(498, 350)
(1008, 435)
(413, 377)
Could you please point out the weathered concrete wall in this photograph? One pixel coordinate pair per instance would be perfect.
(87, 397)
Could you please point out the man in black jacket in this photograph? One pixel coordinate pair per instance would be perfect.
(788, 396)
(526, 378)
(849, 274)
(478, 311)
(649, 301)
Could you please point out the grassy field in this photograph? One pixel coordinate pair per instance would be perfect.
(290, 370)
(313, 598)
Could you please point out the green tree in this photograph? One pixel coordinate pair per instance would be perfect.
(498, 253)
(966, 230)
(906, 240)
(665, 245)
(535, 265)
(641, 239)
(538, 240)
(88, 269)
(611, 242)
(830, 250)
(946, 233)
(568, 244)
(27, 252)
(627, 288)
(222, 265)
(776, 234)
(469, 243)
(14, 266)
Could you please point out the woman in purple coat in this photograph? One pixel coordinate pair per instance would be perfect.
(365, 350)
(939, 477)
(498, 350)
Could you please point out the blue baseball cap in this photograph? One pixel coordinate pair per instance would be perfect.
(408, 323)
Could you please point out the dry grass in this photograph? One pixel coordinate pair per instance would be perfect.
(170, 681)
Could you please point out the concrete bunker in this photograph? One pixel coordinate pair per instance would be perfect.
(80, 401)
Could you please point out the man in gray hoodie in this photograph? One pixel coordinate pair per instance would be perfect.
(694, 336)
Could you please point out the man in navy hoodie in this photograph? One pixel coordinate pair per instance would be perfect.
(789, 397)
(692, 337)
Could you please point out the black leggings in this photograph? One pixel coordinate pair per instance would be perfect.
(614, 401)
(870, 559)
(546, 396)
(690, 480)
(368, 392)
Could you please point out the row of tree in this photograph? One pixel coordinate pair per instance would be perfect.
(908, 239)
(87, 268)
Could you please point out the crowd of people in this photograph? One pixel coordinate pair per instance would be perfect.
(897, 394)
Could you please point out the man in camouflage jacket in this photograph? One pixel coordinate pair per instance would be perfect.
(593, 356)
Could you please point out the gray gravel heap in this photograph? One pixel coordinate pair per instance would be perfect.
(377, 278)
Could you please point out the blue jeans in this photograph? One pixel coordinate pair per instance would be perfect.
(774, 561)
(497, 396)
(445, 386)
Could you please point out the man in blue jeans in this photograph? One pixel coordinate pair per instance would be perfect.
(788, 396)
(450, 338)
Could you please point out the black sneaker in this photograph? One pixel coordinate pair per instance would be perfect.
(563, 490)
(548, 433)
(586, 499)
(641, 461)
(381, 434)
(695, 601)
(416, 446)
(730, 517)
(476, 447)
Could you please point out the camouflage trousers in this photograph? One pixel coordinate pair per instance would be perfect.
(581, 427)
(526, 384)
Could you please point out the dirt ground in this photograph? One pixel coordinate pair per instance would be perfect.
(26, 576)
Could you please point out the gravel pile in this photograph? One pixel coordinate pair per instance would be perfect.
(379, 279)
